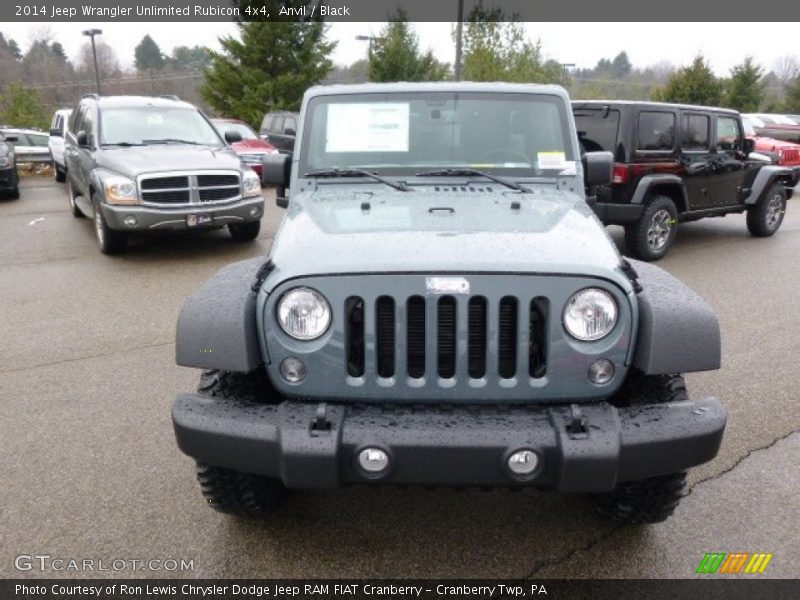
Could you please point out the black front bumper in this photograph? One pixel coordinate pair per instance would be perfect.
(9, 179)
(458, 446)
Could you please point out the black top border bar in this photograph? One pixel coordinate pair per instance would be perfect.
(673, 11)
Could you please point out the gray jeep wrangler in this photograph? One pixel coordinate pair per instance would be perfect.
(441, 306)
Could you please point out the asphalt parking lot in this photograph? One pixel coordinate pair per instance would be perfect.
(89, 468)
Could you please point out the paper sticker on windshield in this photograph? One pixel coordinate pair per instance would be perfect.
(551, 160)
(373, 127)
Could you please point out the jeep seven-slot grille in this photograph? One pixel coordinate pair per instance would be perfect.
(190, 188)
(513, 326)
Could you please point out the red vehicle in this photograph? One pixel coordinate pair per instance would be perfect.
(251, 149)
(781, 151)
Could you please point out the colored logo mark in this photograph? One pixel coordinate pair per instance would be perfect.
(734, 562)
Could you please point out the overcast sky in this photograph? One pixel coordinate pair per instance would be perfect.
(723, 44)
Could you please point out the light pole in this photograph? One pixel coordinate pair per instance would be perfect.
(91, 33)
(459, 36)
(565, 71)
(366, 38)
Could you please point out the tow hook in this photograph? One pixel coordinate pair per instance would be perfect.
(320, 425)
(577, 427)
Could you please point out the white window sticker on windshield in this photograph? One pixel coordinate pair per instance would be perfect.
(551, 160)
(369, 127)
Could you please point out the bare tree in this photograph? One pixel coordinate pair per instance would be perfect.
(786, 68)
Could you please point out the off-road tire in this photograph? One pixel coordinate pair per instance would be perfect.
(764, 218)
(226, 490)
(14, 194)
(242, 494)
(73, 207)
(650, 500)
(110, 241)
(245, 232)
(58, 173)
(641, 241)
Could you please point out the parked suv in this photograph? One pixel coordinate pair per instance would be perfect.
(139, 164)
(421, 320)
(9, 177)
(279, 129)
(676, 163)
(58, 131)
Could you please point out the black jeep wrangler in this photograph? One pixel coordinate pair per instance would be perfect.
(676, 163)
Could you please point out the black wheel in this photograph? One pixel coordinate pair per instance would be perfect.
(59, 174)
(230, 491)
(73, 207)
(109, 240)
(765, 217)
(14, 193)
(242, 494)
(244, 232)
(650, 500)
(652, 235)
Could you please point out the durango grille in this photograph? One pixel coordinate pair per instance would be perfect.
(420, 336)
(190, 188)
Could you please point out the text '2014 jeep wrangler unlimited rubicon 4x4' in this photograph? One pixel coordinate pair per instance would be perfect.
(441, 306)
(139, 164)
(676, 163)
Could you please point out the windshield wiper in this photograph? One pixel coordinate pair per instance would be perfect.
(122, 144)
(171, 141)
(461, 172)
(358, 173)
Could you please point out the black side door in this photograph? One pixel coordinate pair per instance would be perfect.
(729, 167)
(696, 158)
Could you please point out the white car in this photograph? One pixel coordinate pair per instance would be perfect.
(31, 145)
(58, 129)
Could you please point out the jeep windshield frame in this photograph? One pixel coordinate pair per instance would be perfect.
(514, 134)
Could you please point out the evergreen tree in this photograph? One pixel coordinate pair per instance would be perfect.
(395, 55)
(746, 86)
(269, 68)
(194, 58)
(148, 55)
(23, 107)
(793, 96)
(695, 84)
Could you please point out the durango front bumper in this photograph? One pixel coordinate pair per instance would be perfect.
(581, 448)
(165, 217)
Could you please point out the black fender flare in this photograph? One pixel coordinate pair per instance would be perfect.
(648, 182)
(678, 331)
(767, 176)
(217, 325)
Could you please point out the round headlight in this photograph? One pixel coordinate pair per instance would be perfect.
(304, 314)
(590, 314)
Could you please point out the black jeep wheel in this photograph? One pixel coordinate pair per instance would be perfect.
(650, 500)
(652, 235)
(109, 240)
(73, 207)
(226, 490)
(244, 232)
(58, 173)
(765, 217)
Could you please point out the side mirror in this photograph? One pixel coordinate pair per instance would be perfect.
(82, 139)
(276, 170)
(55, 132)
(748, 146)
(10, 138)
(289, 131)
(598, 168)
(232, 136)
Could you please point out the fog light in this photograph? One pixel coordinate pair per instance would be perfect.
(601, 371)
(373, 460)
(523, 462)
(254, 210)
(293, 370)
(130, 221)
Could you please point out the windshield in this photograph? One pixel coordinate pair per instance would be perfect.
(148, 124)
(403, 133)
(748, 127)
(240, 128)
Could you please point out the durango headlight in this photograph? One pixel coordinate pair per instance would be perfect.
(304, 314)
(251, 184)
(120, 191)
(590, 314)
